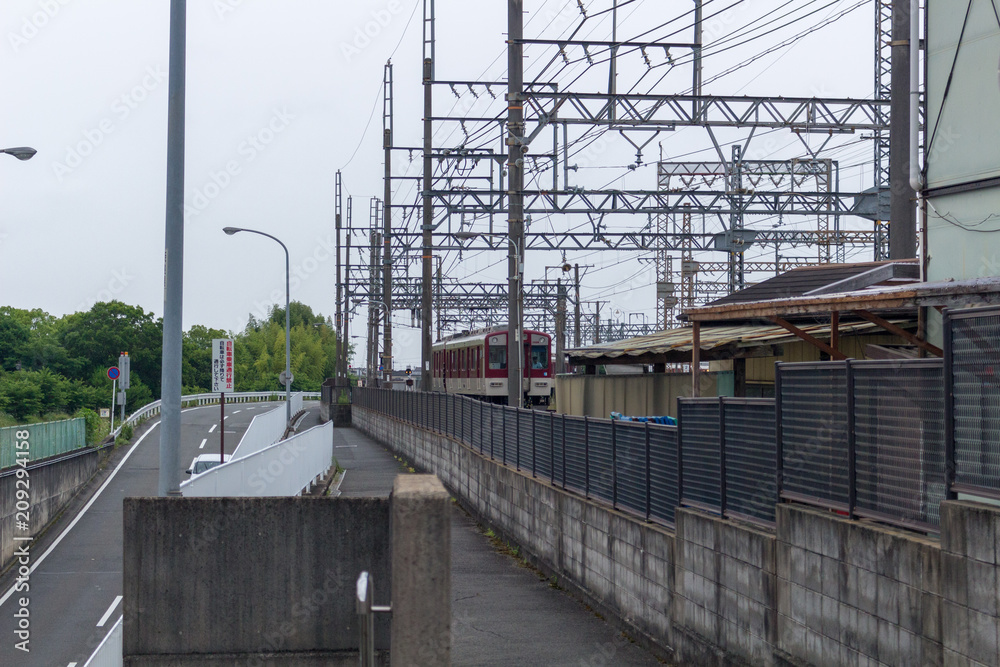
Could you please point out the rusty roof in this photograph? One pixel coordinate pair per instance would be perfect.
(717, 342)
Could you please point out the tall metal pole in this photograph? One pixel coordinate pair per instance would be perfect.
(339, 367)
(560, 328)
(387, 225)
(427, 214)
(903, 225)
(427, 224)
(346, 347)
(288, 330)
(577, 339)
(515, 197)
(288, 337)
(173, 270)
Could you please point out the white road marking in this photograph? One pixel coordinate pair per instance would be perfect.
(202, 445)
(236, 412)
(107, 614)
(344, 446)
(79, 516)
(72, 664)
(213, 428)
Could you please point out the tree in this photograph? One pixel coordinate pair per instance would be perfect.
(97, 337)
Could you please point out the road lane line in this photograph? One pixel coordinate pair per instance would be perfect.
(202, 445)
(77, 518)
(72, 664)
(236, 412)
(107, 614)
(213, 428)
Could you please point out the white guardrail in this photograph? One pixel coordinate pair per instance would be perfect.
(266, 429)
(285, 468)
(153, 408)
(109, 652)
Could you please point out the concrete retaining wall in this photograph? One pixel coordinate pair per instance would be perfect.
(265, 581)
(819, 590)
(51, 486)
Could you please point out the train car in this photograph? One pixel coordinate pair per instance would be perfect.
(475, 364)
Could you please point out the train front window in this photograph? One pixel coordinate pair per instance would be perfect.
(498, 357)
(539, 357)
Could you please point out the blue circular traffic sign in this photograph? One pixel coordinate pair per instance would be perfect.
(113, 373)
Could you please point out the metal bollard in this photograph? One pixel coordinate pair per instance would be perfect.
(366, 620)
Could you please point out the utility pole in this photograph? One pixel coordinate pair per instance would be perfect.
(339, 367)
(387, 225)
(345, 347)
(577, 341)
(427, 220)
(515, 196)
(903, 220)
(560, 328)
(173, 269)
(437, 318)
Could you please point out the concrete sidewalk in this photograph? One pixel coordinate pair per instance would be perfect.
(503, 613)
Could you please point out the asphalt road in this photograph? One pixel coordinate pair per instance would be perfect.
(75, 588)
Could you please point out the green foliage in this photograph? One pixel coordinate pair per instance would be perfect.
(59, 365)
(94, 424)
(125, 434)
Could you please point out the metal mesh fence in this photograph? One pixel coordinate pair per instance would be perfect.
(813, 432)
(751, 458)
(525, 440)
(975, 381)
(663, 472)
(599, 459)
(576, 453)
(511, 436)
(899, 439)
(630, 466)
(557, 450)
(544, 451)
(44, 440)
(729, 454)
(701, 451)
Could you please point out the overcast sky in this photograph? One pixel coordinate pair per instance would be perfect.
(279, 96)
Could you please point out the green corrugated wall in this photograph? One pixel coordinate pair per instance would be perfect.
(44, 440)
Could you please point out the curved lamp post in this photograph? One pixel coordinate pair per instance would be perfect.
(21, 152)
(288, 338)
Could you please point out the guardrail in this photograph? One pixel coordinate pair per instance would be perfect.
(109, 652)
(282, 469)
(153, 408)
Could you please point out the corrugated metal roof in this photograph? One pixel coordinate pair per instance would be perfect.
(679, 340)
(803, 280)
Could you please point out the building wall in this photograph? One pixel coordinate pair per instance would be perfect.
(962, 238)
(650, 394)
(818, 590)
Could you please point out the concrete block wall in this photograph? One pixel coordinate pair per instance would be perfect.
(51, 486)
(969, 580)
(819, 590)
(856, 593)
(726, 591)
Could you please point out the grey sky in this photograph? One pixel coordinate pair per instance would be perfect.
(278, 96)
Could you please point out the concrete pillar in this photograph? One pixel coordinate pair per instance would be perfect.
(421, 572)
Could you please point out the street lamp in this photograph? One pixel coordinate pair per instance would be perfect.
(288, 336)
(21, 152)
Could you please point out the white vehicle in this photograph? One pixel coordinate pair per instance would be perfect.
(204, 462)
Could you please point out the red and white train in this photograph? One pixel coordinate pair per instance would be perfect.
(475, 364)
